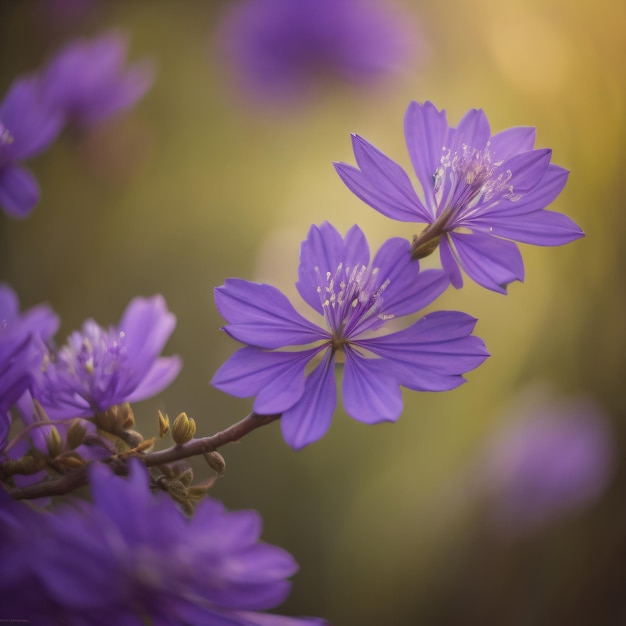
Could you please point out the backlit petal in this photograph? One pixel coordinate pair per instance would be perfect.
(321, 252)
(425, 129)
(489, 261)
(371, 393)
(260, 315)
(309, 419)
(275, 378)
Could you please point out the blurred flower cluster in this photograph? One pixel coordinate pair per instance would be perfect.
(279, 52)
(550, 459)
(83, 84)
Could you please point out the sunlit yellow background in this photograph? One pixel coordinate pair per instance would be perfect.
(193, 186)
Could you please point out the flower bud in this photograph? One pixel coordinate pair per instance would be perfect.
(164, 424)
(75, 434)
(177, 490)
(71, 460)
(127, 416)
(186, 476)
(54, 442)
(183, 429)
(133, 438)
(216, 461)
(195, 493)
(40, 412)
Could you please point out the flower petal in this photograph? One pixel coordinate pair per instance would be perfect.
(489, 261)
(527, 169)
(403, 288)
(322, 251)
(542, 228)
(32, 124)
(540, 197)
(505, 144)
(382, 184)
(426, 130)
(147, 325)
(309, 419)
(19, 191)
(449, 263)
(473, 130)
(132, 85)
(371, 392)
(431, 354)
(276, 378)
(158, 377)
(260, 315)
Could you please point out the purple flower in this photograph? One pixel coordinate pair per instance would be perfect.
(552, 458)
(22, 350)
(280, 50)
(132, 557)
(100, 368)
(479, 191)
(27, 127)
(355, 298)
(88, 82)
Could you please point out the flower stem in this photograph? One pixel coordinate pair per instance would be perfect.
(426, 242)
(79, 477)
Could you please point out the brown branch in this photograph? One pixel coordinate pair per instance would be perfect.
(196, 447)
(78, 477)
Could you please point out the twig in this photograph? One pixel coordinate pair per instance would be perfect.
(78, 477)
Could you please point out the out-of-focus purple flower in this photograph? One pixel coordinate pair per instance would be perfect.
(27, 127)
(132, 556)
(479, 190)
(22, 349)
(87, 80)
(553, 458)
(355, 298)
(100, 368)
(280, 50)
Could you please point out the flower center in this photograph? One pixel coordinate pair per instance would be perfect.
(349, 297)
(90, 363)
(466, 178)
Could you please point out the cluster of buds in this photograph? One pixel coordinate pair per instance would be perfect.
(177, 478)
(70, 444)
(177, 481)
(60, 453)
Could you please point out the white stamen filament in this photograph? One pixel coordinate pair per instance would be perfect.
(465, 179)
(358, 297)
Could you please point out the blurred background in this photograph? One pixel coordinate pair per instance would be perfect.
(399, 524)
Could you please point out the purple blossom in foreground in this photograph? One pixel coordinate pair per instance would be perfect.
(27, 127)
(280, 50)
(132, 558)
(100, 368)
(22, 350)
(479, 190)
(355, 297)
(87, 80)
(552, 459)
